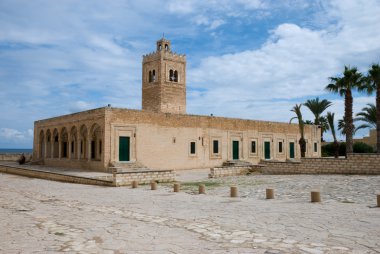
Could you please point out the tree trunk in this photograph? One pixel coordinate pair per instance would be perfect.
(350, 126)
(302, 144)
(378, 117)
(336, 149)
(322, 130)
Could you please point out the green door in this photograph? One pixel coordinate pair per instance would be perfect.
(124, 149)
(291, 150)
(267, 150)
(235, 150)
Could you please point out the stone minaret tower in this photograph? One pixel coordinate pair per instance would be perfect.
(164, 80)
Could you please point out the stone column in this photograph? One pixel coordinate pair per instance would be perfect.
(88, 147)
(59, 147)
(45, 147)
(69, 146)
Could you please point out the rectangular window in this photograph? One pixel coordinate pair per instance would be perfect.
(192, 147)
(253, 146)
(280, 147)
(315, 147)
(215, 146)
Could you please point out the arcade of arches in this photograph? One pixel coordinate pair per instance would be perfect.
(71, 142)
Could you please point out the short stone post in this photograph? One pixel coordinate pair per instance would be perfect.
(315, 196)
(202, 189)
(270, 193)
(135, 184)
(234, 192)
(176, 187)
(378, 200)
(153, 185)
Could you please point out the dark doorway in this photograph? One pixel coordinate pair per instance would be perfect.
(267, 150)
(291, 150)
(235, 150)
(124, 149)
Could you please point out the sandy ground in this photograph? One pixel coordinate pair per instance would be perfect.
(39, 216)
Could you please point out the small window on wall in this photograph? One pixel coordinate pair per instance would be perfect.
(280, 147)
(192, 148)
(315, 147)
(253, 146)
(215, 146)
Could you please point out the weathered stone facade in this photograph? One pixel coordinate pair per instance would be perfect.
(162, 136)
(164, 80)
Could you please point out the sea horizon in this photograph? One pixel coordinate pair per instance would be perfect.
(15, 150)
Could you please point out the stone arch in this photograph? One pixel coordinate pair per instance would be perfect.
(48, 144)
(83, 142)
(64, 143)
(73, 150)
(55, 142)
(41, 153)
(96, 144)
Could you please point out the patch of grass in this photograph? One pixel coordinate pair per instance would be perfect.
(193, 186)
(347, 202)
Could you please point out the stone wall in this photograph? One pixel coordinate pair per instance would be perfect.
(228, 171)
(354, 164)
(143, 177)
(12, 156)
(53, 176)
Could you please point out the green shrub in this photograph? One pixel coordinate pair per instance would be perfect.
(360, 147)
(328, 149)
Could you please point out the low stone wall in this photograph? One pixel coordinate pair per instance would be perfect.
(12, 156)
(367, 164)
(75, 163)
(142, 176)
(53, 176)
(228, 171)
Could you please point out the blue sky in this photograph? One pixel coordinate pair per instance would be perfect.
(252, 59)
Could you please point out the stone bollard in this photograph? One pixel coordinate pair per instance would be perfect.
(135, 184)
(270, 193)
(176, 187)
(315, 196)
(202, 189)
(234, 192)
(378, 200)
(153, 185)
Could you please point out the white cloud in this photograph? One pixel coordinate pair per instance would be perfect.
(295, 62)
(14, 135)
(80, 106)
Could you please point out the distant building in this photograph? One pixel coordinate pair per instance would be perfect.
(369, 140)
(162, 135)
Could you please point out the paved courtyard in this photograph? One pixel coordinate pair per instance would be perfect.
(39, 216)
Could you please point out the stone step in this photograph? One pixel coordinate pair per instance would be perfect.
(236, 163)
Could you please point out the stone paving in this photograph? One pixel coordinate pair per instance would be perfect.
(39, 216)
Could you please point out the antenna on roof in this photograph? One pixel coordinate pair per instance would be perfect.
(163, 35)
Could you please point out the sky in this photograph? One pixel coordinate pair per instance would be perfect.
(252, 59)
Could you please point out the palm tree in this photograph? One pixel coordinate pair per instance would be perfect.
(367, 115)
(342, 127)
(373, 84)
(317, 107)
(352, 79)
(330, 120)
(302, 142)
